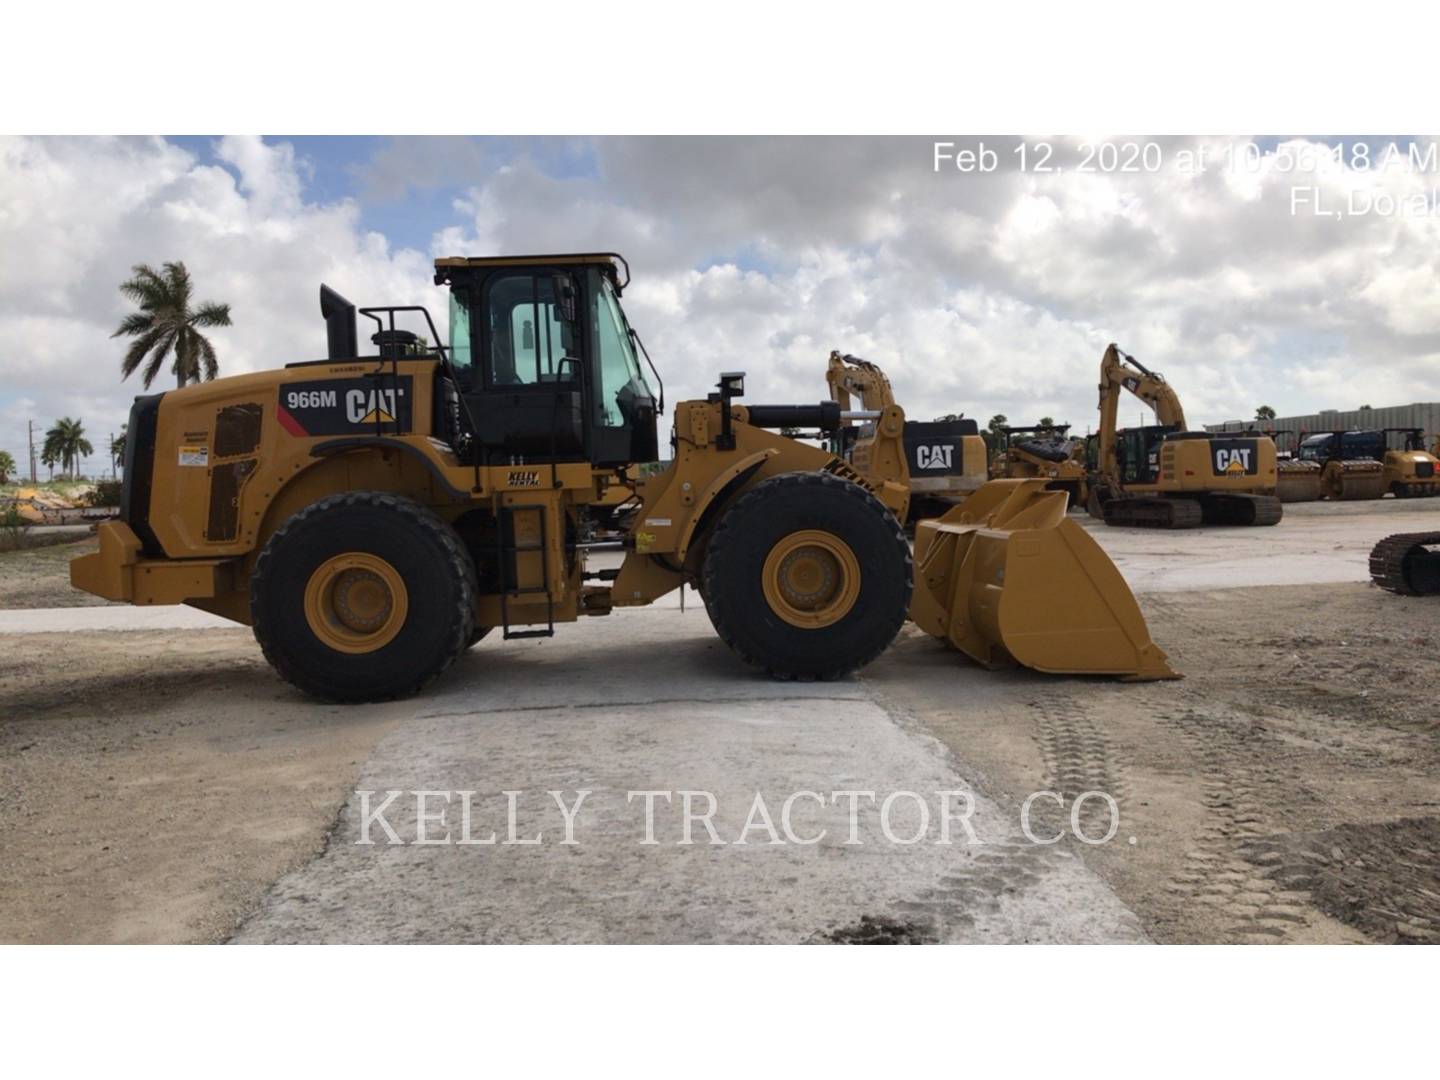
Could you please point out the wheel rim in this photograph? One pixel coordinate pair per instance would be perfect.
(356, 602)
(811, 579)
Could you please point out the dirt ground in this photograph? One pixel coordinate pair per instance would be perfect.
(1287, 790)
(39, 577)
(156, 799)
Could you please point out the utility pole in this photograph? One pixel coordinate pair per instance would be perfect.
(112, 455)
(32, 453)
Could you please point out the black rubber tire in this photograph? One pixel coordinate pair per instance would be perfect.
(735, 558)
(477, 635)
(439, 577)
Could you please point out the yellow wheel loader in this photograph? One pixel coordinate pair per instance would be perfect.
(371, 517)
(1044, 452)
(938, 462)
(1164, 476)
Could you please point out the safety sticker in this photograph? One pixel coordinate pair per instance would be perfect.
(197, 456)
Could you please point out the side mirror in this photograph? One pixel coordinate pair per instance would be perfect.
(527, 336)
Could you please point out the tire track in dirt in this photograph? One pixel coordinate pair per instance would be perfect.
(1078, 757)
(1233, 870)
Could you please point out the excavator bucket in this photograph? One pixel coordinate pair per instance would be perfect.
(1007, 577)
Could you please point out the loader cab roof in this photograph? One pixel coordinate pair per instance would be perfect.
(614, 265)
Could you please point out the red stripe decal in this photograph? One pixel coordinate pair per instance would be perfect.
(289, 423)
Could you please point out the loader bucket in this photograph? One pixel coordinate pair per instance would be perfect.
(1008, 577)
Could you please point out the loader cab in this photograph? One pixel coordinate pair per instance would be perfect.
(546, 364)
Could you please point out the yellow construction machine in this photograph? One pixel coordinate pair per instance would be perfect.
(371, 517)
(1045, 452)
(1165, 476)
(1296, 480)
(938, 462)
(1351, 463)
(1368, 465)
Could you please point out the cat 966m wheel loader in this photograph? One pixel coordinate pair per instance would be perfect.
(373, 517)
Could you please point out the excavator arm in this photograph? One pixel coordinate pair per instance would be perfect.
(1120, 371)
(850, 377)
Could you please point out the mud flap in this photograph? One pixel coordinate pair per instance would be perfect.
(1008, 578)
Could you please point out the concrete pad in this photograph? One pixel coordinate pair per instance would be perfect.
(651, 700)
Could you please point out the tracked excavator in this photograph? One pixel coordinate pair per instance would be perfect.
(1046, 452)
(938, 462)
(1165, 476)
(374, 516)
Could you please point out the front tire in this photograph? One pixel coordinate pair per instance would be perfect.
(363, 596)
(808, 576)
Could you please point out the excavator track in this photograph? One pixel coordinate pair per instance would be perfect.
(1407, 563)
(1153, 512)
(1241, 509)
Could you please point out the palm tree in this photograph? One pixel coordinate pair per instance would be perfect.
(66, 444)
(167, 323)
(49, 456)
(7, 466)
(117, 445)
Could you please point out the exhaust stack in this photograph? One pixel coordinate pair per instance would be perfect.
(342, 341)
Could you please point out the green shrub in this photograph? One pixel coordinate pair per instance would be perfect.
(106, 493)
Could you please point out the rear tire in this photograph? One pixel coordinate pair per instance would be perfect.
(371, 649)
(808, 576)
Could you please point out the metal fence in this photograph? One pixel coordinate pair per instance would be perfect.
(1422, 415)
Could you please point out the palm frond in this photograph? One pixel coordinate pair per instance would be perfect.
(137, 322)
(158, 354)
(207, 356)
(177, 280)
(211, 314)
(146, 288)
(136, 353)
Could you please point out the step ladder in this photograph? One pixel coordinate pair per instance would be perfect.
(507, 552)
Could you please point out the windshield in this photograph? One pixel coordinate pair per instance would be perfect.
(1315, 447)
(618, 365)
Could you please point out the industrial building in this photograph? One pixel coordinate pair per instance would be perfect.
(1425, 415)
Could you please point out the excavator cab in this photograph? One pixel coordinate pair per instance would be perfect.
(548, 368)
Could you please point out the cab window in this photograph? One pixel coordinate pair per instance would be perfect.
(527, 339)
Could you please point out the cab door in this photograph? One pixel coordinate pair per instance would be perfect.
(526, 392)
